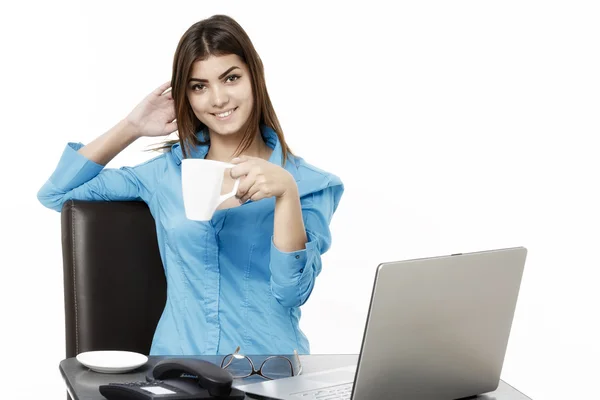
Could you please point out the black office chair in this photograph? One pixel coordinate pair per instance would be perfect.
(114, 282)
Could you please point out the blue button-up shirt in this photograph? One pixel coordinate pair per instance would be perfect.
(227, 283)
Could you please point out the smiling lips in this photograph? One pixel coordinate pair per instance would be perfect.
(224, 115)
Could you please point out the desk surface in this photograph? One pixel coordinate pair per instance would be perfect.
(83, 384)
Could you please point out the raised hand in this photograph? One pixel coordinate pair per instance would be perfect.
(155, 115)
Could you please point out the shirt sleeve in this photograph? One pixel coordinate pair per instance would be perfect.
(293, 274)
(78, 178)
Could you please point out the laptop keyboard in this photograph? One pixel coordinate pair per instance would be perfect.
(339, 392)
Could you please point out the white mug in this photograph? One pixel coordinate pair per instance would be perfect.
(201, 182)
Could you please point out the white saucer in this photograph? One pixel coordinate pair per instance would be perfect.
(112, 361)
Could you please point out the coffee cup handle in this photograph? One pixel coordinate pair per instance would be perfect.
(232, 193)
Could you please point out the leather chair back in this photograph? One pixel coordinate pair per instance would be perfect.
(114, 282)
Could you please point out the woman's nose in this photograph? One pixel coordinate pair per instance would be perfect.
(219, 97)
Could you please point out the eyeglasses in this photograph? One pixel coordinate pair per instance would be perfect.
(273, 367)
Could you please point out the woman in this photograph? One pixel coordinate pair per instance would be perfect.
(240, 278)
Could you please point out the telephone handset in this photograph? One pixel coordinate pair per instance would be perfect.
(178, 379)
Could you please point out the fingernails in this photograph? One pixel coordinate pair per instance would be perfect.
(235, 159)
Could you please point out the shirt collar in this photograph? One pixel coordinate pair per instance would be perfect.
(200, 151)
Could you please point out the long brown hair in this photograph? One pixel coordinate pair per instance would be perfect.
(216, 36)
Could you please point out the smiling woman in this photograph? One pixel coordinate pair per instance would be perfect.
(223, 104)
(240, 278)
(208, 97)
(216, 71)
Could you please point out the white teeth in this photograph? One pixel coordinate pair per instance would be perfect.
(225, 114)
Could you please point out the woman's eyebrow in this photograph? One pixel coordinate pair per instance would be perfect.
(220, 76)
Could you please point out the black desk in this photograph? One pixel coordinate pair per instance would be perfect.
(83, 384)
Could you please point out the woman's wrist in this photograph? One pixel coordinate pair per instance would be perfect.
(128, 130)
(289, 194)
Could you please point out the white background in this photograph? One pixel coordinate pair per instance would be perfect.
(455, 126)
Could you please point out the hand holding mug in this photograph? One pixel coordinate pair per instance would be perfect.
(261, 179)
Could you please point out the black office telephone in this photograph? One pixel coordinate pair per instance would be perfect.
(178, 379)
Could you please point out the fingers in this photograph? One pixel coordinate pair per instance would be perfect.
(242, 168)
(245, 184)
(160, 90)
(252, 194)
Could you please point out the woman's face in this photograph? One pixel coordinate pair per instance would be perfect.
(220, 93)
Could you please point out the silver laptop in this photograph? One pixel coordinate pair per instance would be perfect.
(437, 328)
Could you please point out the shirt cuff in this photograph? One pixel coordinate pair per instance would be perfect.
(74, 168)
(288, 267)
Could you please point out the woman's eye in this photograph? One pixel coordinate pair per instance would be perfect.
(198, 87)
(232, 78)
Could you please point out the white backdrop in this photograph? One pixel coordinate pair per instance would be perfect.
(456, 127)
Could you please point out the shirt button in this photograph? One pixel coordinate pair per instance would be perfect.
(297, 256)
(301, 270)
